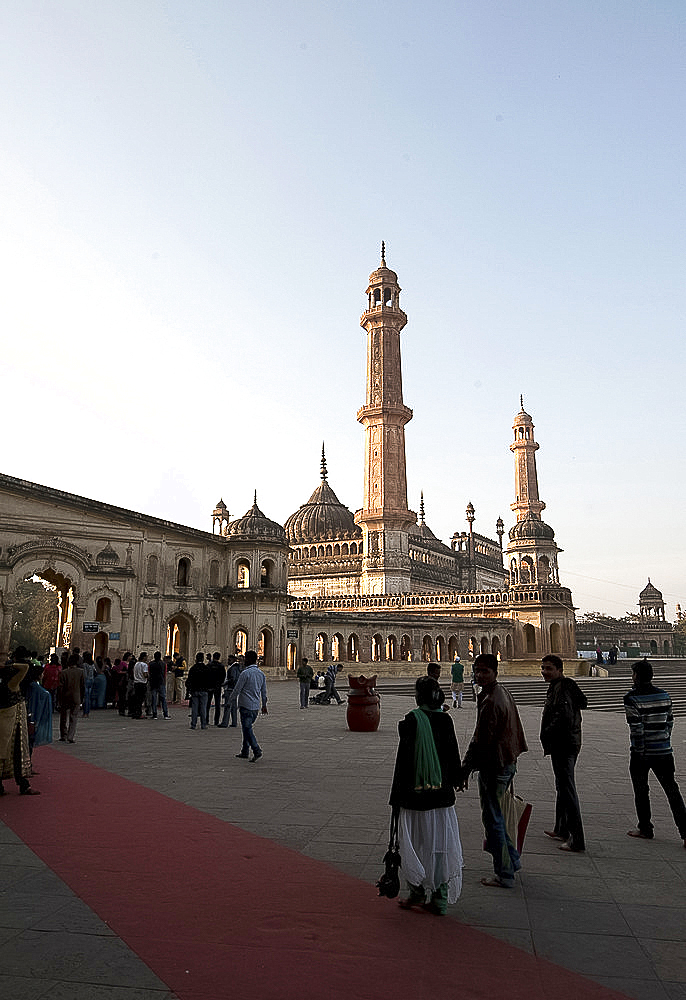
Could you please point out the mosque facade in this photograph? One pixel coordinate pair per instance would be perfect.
(374, 586)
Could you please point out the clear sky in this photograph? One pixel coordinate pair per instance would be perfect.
(192, 197)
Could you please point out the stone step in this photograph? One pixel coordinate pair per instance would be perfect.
(605, 694)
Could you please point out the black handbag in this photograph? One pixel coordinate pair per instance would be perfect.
(389, 883)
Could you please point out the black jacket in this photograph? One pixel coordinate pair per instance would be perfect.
(561, 719)
(402, 790)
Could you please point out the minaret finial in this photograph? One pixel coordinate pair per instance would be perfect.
(383, 254)
(255, 498)
(421, 507)
(521, 402)
(323, 465)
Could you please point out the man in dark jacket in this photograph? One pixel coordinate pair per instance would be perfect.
(561, 738)
(497, 742)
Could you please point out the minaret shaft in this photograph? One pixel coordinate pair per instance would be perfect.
(385, 518)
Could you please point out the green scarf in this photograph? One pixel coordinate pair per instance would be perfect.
(427, 767)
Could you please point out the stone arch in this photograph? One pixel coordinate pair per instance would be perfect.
(183, 572)
(406, 648)
(291, 655)
(148, 627)
(440, 649)
(495, 646)
(391, 648)
(240, 638)
(427, 648)
(453, 647)
(555, 638)
(353, 648)
(265, 646)
(267, 573)
(484, 644)
(530, 638)
(211, 631)
(243, 574)
(337, 646)
(151, 571)
(103, 610)
(214, 573)
(181, 634)
(509, 650)
(321, 647)
(544, 575)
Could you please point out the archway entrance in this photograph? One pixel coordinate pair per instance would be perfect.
(180, 635)
(265, 647)
(44, 611)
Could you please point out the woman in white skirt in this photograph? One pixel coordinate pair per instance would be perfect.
(427, 771)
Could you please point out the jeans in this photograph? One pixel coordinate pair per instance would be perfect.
(229, 710)
(663, 769)
(139, 691)
(215, 693)
(88, 685)
(331, 691)
(199, 709)
(567, 810)
(248, 716)
(304, 693)
(492, 788)
(161, 693)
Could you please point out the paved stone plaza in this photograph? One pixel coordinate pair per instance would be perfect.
(616, 914)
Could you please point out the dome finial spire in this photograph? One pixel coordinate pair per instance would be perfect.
(323, 464)
(521, 401)
(255, 498)
(421, 507)
(383, 253)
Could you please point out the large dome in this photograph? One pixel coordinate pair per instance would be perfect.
(531, 528)
(254, 524)
(322, 517)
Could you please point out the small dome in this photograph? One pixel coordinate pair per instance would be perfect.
(531, 527)
(108, 557)
(254, 524)
(522, 418)
(650, 593)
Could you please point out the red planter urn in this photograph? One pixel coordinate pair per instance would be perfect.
(364, 712)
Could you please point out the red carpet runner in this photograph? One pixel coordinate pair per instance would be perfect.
(215, 911)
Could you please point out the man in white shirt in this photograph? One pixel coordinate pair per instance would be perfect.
(140, 685)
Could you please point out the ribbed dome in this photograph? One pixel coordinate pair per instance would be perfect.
(254, 524)
(531, 527)
(322, 517)
(107, 557)
(650, 593)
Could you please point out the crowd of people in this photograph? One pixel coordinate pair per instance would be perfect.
(428, 768)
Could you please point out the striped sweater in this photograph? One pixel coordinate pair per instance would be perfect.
(649, 714)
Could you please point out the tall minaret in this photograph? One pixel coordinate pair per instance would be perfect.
(385, 518)
(531, 552)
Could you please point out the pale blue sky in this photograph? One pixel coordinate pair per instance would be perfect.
(193, 195)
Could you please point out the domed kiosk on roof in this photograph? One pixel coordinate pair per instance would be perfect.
(254, 525)
(651, 603)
